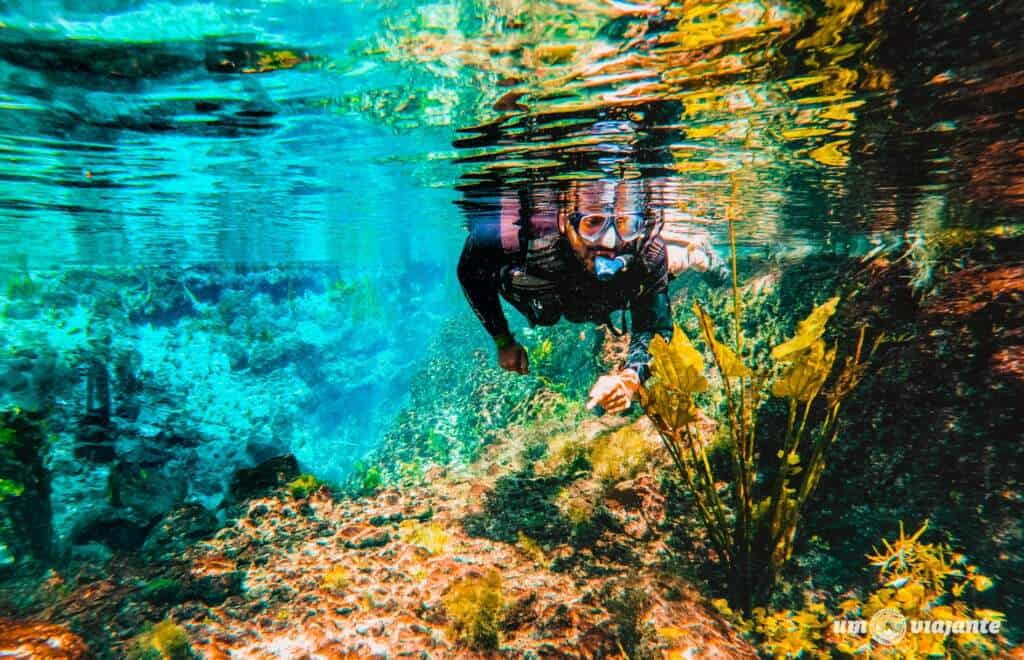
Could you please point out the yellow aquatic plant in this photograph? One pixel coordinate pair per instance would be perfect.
(429, 537)
(803, 379)
(923, 582)
(620, 455)
(303, 486)
(578, 503)
(754, 533)
(476, 606)
(335, 580)
(808, 332)
(531, 548)
(164, 641)
(678, 365)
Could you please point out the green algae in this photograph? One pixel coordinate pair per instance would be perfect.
(164, 641)
(303, 486)
(522, 503)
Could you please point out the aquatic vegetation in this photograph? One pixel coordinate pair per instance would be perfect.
(539, 354)
(410, 473)
(924, 582)
(439, 444)
(521, 503)
(336, 580)
(365, 479)
(784, 634)
(21, 286)
(476, 606)
(372, 479)
(430, 537)
(620, 455)
(162, 590)
(567, 453)
(627, 605)
(303, 486)
(25, 522)
(164, 641)
(930, 582)
(10, 488)
(754, 535)
(531, 549)
(360, 295)
(578, 501)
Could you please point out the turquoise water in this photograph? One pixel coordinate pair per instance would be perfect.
(229, 235)
(183, 182)
(129, 143)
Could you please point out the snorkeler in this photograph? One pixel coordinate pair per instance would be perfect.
(597, 250)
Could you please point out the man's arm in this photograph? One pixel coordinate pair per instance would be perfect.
(479, 272)
(651, 315)
(651, 312)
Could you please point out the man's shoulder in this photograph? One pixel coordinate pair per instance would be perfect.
(654, 257)
(549, 253)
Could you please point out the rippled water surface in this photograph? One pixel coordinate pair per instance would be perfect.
(142, 132)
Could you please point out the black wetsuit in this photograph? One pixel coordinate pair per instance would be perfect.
(545, 281)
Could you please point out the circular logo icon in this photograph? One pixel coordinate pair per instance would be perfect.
(888, 626)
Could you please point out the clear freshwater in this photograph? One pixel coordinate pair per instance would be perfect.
(230, 230)
(147, 135)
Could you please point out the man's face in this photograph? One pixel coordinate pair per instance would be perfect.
(602, 221)
(586, 252)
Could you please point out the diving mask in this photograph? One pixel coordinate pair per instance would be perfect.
(593, 227)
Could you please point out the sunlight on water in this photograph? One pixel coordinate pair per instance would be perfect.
(269, 132)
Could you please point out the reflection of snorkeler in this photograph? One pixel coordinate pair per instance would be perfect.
(596, 252)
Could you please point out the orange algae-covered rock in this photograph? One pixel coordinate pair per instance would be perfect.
(30, 640)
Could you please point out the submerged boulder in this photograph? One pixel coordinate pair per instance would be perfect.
(148, 493)
(179, 529)
(117, 529)
(258, 481)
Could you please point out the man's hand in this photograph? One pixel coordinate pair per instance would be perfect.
(614, 392)
(513, 358)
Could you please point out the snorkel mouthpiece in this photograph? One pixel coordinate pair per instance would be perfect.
(605, 268)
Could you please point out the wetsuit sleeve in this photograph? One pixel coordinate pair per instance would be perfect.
(651, 312)
(479, 272)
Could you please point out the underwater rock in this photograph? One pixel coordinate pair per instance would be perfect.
(178, 530)
(94, 440)
(370, 541)
(31, 639)
(238, 357)
(636, 505)
(215, 588)
(249, 483)
(117, 529)
(92, 552)
(148, 493)
(261, 449)
(275, 353)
